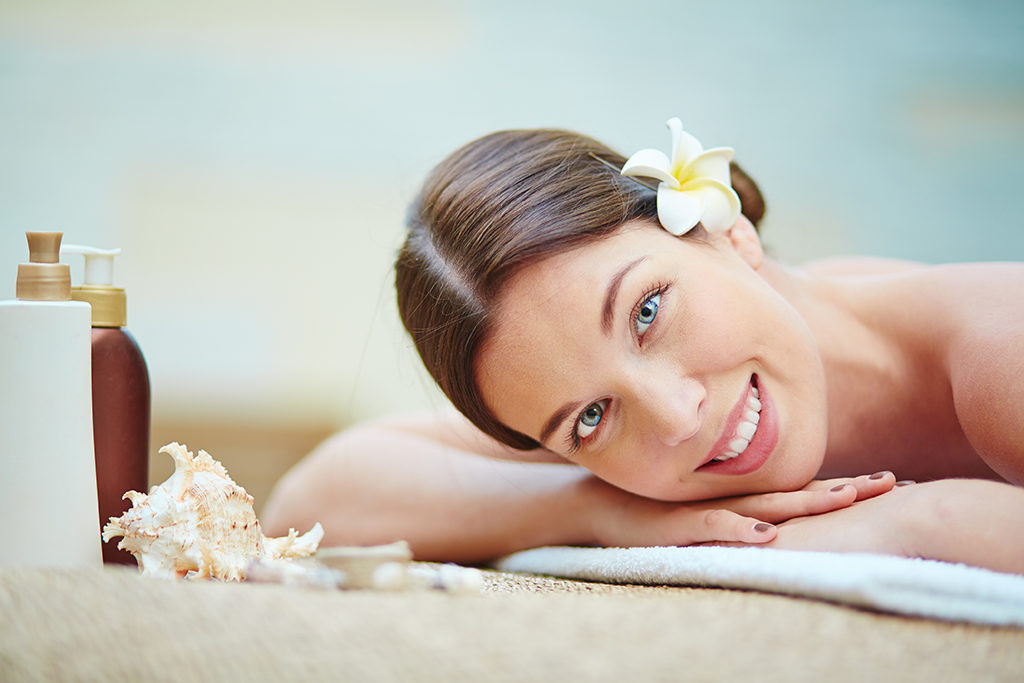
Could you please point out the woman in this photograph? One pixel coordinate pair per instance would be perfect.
(630, 386)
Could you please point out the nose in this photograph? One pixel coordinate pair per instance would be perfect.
(672, 405)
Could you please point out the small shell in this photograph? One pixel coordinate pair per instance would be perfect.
(199, 520)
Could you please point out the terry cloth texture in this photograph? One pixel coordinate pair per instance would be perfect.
(914, 587)
(113, 625)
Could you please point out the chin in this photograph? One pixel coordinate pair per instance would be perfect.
(794, 480)
(796, 472)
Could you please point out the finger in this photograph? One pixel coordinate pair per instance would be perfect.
(867, 486)
(778, 507)
(721, 525)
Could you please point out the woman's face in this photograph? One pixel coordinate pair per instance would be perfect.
(668, 367)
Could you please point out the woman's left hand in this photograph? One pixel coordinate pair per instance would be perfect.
(972, 521)
(817, 497)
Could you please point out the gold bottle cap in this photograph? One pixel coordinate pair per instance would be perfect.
(44, 278)
(109, 308)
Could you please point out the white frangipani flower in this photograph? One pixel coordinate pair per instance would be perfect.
(694, 186)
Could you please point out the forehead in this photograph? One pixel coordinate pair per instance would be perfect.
(547, 333)
(567, 286)
(587, 268)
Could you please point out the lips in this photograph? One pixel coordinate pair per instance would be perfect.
(738, 451)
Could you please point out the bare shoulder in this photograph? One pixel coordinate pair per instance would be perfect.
(856, 266)
(986, 362)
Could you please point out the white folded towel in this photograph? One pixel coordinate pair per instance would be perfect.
(924, 588)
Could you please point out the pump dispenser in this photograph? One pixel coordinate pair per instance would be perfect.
(43, 278)
(97, 289)
(120, 392)
(47, 467)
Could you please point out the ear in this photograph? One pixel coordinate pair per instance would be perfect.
(745, 241)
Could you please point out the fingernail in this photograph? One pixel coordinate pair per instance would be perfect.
(761, 527)
(878, 475)
(838, 487)
(905, 482)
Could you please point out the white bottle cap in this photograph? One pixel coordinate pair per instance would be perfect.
(99, 263)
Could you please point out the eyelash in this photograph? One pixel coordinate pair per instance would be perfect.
(634, 315)
(573, 440)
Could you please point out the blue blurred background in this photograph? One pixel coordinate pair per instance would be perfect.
(254, 159)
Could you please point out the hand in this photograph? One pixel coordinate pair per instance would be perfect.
(972, 521)
(623, 519)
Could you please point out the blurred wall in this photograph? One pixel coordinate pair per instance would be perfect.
(254, 159)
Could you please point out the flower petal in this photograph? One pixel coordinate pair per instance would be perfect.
(678, 210)
(721, 203)
(713, 163)
(650, 163)
(685, 147)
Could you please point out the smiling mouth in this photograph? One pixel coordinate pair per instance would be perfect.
(750, 435)
(745, 429)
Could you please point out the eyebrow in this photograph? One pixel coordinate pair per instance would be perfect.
(607, 314)
(608, 310)
(558, 418)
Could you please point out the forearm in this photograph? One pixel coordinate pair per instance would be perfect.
(372, 485)
(971, 521)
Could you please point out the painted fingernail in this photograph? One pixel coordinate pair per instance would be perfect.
(905, 482)
(838, 487)
(878, 475)
(762, 527)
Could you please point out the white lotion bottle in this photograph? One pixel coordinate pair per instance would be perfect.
(48, 502)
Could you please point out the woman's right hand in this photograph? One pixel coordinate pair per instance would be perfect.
(619, 518)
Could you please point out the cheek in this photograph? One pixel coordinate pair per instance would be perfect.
(766, 329)
(720, 329)
(804, 420)
(799, 374)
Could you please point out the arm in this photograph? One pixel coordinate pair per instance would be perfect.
(372, 484)
(972, 521)
(416, 480)
(987, 374)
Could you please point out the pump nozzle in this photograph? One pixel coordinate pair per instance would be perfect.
(43, 278)
(99, 263)
(107, 301)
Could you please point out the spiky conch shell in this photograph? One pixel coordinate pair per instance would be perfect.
(200, 520)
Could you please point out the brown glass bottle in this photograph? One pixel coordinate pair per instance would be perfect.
(120, 419)
(120, 393)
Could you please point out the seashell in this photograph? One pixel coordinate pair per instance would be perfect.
(201, 521)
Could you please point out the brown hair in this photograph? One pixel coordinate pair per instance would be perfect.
(491, 208)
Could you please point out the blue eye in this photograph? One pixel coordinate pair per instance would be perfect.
(590, 418)
(647, 313)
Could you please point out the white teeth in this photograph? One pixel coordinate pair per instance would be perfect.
(739, 444)
(745, 430)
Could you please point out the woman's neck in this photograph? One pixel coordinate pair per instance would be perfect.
(889, 398)
(857, 350)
